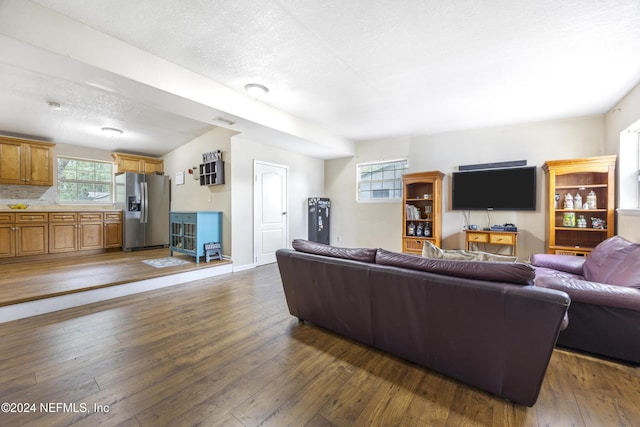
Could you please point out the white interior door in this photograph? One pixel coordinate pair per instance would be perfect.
(270, 211)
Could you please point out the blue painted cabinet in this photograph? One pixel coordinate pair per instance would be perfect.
(189, 231)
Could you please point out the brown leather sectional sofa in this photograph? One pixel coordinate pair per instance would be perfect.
(481, 323)
(604, 287)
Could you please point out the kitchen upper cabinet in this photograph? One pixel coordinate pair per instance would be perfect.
(25, 162)
(139, 164)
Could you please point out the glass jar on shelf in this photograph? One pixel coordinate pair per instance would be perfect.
(581, 222)
(569, 219)
(592, 200)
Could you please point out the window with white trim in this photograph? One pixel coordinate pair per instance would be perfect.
(84, 181)
(380, 181)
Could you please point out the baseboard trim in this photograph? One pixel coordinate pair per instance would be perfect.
(237, 268)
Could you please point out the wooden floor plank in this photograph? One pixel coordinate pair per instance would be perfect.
(28, 280)
(225, 351)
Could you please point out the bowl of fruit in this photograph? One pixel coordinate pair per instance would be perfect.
(18, 206)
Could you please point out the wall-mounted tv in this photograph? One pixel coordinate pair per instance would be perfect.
(506, 189)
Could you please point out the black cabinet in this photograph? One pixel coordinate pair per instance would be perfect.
(319, 219)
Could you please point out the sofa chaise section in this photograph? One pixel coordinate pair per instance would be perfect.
(604, 317)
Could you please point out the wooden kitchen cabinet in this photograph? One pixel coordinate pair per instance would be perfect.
(63, 232)
(37, 233)
(32, 233)
(25, 162)
(75, 231)
(90, 230)
(139, 164)
(112, 235)
(7, 235)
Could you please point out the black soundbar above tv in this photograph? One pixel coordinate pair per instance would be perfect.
(506, 189)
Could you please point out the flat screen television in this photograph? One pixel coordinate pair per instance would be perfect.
(506, 189)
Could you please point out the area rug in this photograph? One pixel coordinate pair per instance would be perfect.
(165, 262)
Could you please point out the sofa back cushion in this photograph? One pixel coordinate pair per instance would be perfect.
(356, 254)
(615, 261)
(509, 272)
(429, 250)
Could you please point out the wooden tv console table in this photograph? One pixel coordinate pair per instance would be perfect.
(491, 237)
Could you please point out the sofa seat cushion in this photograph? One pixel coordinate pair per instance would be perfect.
(356, 254)
(552, 272)
(429, 250)
(615, 261)
(506, 272)
(594, 293)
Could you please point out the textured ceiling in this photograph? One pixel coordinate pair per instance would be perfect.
(369, 69)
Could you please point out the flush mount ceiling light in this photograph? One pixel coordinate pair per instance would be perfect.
(256, 91)
(111, 132)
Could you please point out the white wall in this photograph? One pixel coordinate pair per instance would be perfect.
(379, 225)
(192, 196)
(625, 114)
(305, 179)
(364, 224)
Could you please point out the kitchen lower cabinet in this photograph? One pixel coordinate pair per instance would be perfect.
(63, 232)
(39, 233)
(90, 233)
(112, 237)
(32, 239)
(32, 233)
(7, 241)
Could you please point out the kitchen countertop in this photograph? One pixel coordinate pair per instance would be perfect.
(60, 208)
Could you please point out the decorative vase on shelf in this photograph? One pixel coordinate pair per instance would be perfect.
(568, 201)
(577, 201)
(592, 200)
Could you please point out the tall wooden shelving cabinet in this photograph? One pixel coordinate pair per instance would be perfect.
(579, 176)
(422, 210)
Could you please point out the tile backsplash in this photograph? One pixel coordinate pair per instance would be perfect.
(28, 194)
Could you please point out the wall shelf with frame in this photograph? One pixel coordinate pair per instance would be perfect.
(211, 170)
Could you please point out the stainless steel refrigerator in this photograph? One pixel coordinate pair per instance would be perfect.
(144, 200)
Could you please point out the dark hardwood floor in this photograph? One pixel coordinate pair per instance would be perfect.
(225, 351)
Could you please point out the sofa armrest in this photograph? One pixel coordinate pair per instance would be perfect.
(567, 263)
(594, 293)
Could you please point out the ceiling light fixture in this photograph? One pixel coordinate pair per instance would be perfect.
(225, 120)
(256, 91)
(112, 132)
